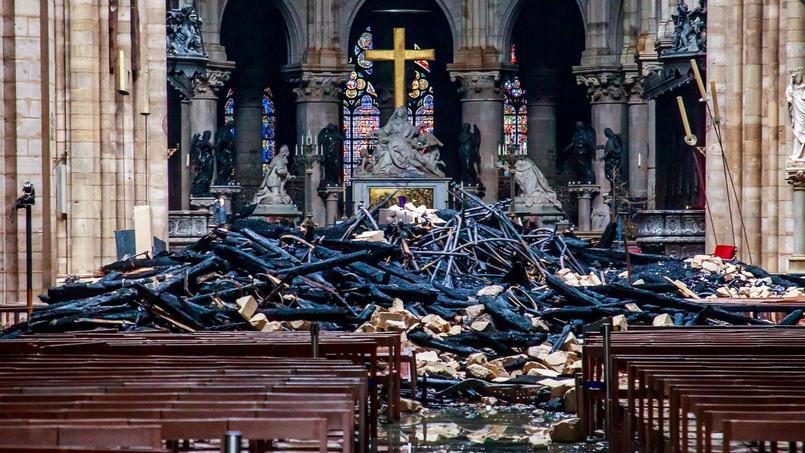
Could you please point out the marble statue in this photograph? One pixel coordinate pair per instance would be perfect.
(272, 189)
(613, 151)
(469, 144)
(332, 144)
(224, 162)
(689, 29)
(583, 153)
(403, 151)
(201, 152)
(364, 165)
(534, 187)
(795, 94)
(184, 32)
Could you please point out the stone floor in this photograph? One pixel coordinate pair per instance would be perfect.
(476, 428)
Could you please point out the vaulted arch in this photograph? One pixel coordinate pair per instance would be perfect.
(351, 8)
(295, 38)
(509, 14)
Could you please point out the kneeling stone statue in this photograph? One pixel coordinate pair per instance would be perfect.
(272, 189)
(536, 192)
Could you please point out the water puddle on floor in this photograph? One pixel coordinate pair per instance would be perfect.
(477, 428)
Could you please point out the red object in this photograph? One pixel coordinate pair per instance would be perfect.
(726, 252)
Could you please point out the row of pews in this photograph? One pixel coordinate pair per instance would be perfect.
(703, 389)
(164, 391)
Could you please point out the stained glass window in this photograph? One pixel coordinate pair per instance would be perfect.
(360, 106)
(268, 121)
(515, 110)
(269, 125)
(421, 100)
(361, 109)
(229, 108)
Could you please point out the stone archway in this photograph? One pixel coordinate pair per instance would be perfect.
(296, 38)
(511, 12)
(350, 9)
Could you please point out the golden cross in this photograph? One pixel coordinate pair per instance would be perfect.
(399, 55)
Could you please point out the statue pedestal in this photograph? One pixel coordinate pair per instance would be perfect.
(544, 216)
(584, 193)
(275, 212)
(201, 202)
(431, 192)
(331, 195)
(228, 192)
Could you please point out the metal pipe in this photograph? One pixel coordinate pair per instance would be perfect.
(232, 442)
(314, 339)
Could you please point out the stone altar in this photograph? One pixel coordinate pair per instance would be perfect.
(405, 159)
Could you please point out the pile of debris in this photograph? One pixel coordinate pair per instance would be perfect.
(481, 300)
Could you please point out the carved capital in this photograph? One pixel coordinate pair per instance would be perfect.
(208, 83)
(633, 83)
(318, 86)
(796, 174)
(604, 86)
(478, 85)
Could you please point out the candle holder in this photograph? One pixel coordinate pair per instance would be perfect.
(306, 156)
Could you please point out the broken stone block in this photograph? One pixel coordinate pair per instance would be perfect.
(478, 358)
(569, 400)
(480, 372)
(663, 320)
(493, 290)
(542, 373)
(371, 236)
(567, 431)
(247, 306)
(410, 406)
(558, 387)
(619, 323)
(435, 324)
(560, 361)
(272, 326)
(258, 321)
(474, 311)
(538, 352)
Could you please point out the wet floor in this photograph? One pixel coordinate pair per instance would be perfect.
(478, 428)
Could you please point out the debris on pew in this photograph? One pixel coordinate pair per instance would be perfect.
(490, 310)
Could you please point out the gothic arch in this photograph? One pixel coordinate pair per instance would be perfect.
(297, 39)
(350, 8)
(510, 14)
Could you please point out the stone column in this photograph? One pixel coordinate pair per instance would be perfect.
(482, 104)
(608, 108)
(637, 141)
(541, 92)
(203, 108)
(248, 133)
(318, 103)
(796, 177)
(184, 150)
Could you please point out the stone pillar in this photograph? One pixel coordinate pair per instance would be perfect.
(203, 111)
(318, 103)
(482, 104)
(637, 142)
(184, 150)
(796, 177)
(248, 133)
(608, 108)
(541, 91)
